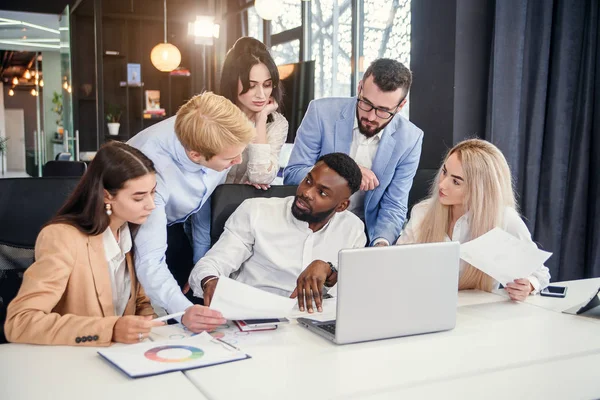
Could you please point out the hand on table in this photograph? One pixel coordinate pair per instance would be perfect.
(310, 285)
(199, 318)
(133, 328)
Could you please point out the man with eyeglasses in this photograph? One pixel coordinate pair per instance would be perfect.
(369, 128)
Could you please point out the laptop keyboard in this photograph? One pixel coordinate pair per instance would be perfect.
(330, 327)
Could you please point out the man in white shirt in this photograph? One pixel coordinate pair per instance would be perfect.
(289, 246)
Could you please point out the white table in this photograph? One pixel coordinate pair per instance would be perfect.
(569, 378)
(577, 292)
(62, 372)
(499, 349)
(497, 335)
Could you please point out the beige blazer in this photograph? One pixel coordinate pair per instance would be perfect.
(66, 295)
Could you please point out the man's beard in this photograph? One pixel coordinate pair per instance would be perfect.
(308, 216)
(366, 132)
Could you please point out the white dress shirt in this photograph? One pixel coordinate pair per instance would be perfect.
(260, 161)
(512, 224)
(265, 246)
(115, 252)
(363, 151)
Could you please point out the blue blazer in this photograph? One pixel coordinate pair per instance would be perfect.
(327, 128)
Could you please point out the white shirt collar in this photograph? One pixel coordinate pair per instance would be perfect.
(112, 248)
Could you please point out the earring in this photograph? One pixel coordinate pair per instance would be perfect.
(108, 209)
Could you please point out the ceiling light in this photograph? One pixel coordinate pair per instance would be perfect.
(268, 9)
(11, 92)
(65, 85)
(41, 83)
(204, 29)
(15, 81)
(164, 56)
(34, 92)
(27, 75)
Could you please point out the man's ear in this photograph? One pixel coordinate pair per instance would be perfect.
(359, 87)
(196, 157)
(342, 206)
(403, 103)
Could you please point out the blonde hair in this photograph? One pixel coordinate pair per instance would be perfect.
(489, 190)
(208, 123)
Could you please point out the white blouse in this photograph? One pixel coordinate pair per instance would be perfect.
(115, 253)
(512, 224)
(260, 162)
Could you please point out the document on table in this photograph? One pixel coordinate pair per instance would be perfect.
(328, 314)
(236, 300)
(153, 358)
(503, 256)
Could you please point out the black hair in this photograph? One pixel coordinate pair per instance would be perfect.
(346, 167)
(246, 53)
(389, 75)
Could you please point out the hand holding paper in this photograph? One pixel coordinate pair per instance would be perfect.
(503, 256)
(237, 301)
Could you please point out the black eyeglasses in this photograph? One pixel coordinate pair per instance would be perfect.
(367, 107)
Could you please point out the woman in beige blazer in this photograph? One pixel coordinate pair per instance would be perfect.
(82, 288)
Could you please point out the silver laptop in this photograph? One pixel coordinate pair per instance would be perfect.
(393, 291)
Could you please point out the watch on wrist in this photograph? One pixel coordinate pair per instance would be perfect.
(332, 271)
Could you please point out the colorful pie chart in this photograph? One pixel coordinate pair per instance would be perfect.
(173, 353)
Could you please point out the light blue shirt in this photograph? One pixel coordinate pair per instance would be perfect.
(182, 188)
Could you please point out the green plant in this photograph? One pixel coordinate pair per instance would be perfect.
(58, 107)
(3, 145)
(3, 141)
(113, 113)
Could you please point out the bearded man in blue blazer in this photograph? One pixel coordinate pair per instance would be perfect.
(369, 128)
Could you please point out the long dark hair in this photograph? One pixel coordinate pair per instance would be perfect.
(114, 164)
(246, 53)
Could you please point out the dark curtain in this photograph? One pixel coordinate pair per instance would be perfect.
(544, 114)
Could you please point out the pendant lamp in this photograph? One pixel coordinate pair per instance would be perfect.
(164, 56)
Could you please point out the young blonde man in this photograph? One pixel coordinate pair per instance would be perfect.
(192, 153)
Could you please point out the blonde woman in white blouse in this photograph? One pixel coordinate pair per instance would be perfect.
(250, 80)
(471, 195)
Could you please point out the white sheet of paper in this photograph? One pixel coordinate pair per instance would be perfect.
(503, 256)
(236, 300)
(151, 358)
(328, 314)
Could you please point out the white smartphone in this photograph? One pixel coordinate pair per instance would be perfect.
(554, 291)
(257, 323)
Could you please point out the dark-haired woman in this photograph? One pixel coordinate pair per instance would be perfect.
(82, 288)
(250, 80)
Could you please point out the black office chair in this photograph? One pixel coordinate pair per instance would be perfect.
(64, 169)
(420, 187)
(226, 198)
(26, 204)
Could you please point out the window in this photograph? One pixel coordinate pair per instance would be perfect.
(290, 18)
(286, 53)
(386, 33)
(255, 24)
(331, 24)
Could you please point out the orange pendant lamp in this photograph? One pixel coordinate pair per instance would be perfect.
(165, 56)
